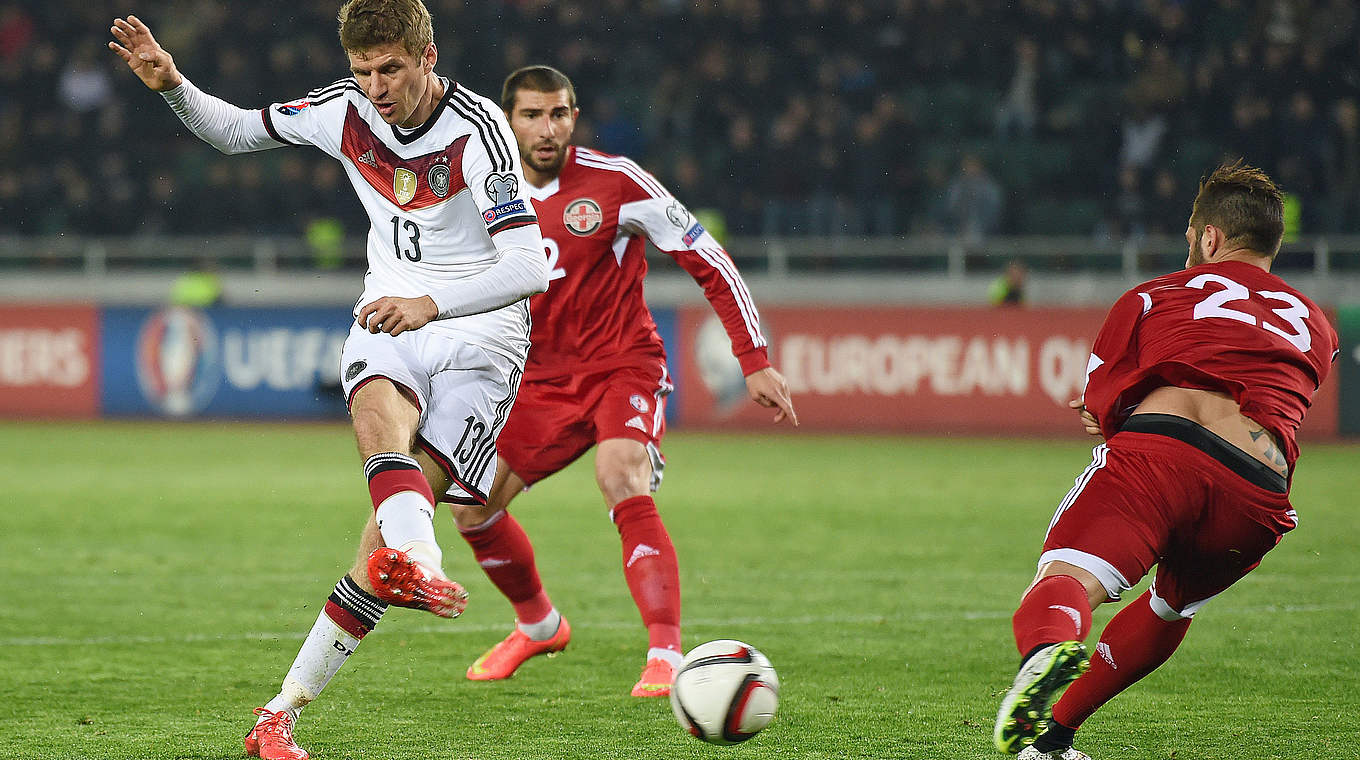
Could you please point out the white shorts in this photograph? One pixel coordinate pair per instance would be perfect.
(464, 392)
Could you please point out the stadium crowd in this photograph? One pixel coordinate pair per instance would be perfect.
(818, 117)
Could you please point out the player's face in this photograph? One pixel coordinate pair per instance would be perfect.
(394, 80)
(543, 123)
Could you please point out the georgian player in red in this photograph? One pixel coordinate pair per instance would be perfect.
(596, 375)
(1197, 381)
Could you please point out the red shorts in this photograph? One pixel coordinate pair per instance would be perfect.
(1153, 499)
(555, 420)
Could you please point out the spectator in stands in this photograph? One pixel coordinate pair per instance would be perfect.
(974, 200)
(1018, 112)
(807, 83)
(1343, 164)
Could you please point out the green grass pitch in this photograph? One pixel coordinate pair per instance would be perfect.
(158, 579)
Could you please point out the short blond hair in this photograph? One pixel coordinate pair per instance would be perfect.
(366, 24)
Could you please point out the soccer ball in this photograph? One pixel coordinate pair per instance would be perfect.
(725, 692)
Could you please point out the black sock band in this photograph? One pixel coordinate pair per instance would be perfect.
(365, 607)
(1057, 737)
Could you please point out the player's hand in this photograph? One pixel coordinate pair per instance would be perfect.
(768, 388)
(1088, 420)
(140, 51)
(394, 315)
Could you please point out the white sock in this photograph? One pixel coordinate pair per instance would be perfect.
(543, 629)
(405, 518)
(325, 649)
(669, 655)
(427, 554)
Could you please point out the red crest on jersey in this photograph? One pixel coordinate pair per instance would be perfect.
(398, 179)
(582, 216)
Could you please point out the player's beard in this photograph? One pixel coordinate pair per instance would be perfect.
(552, 166)
(1195, 258)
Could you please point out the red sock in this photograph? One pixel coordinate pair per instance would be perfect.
(1055, 609)
(651, 569)
(503, 550)
(1134, 643)
(390, 473)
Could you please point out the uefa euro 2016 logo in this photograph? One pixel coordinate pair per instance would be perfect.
(177, 364)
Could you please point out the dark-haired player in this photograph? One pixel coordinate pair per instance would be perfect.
(597, 374)
(1197, 381)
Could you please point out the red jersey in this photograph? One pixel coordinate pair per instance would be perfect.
(1229, 327)
(596, 217)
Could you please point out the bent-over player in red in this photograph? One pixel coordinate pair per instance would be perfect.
(1197, 381)
(596, 375)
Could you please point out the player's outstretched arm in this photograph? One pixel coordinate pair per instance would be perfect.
(140, 51)
(769, 388)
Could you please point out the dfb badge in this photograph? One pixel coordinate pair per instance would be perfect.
(354, 369)
(582, 216)
(404, 185)
(501, 188)
(438, 179)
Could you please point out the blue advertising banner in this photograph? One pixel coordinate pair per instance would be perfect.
(223, 362)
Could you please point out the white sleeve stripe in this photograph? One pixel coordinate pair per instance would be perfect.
(635, 172)
(492, 139)
(719, 258)
(720, 261)
(651, 187)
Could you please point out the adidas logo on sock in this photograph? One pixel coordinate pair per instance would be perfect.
(1103, 650)
(640, 551)
(494, 562)
(369, 159)
(1076, 616)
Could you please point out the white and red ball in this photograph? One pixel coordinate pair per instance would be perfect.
(725, 692)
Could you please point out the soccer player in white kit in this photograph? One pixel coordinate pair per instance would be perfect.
(433, 361)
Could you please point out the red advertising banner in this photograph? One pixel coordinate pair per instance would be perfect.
(923, 370)
(49, 360)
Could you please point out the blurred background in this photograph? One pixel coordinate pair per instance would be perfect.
(933, 200)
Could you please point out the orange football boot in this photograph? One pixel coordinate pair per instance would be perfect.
(398, 579)
(656, 679)
(502, 660)
(272, 737)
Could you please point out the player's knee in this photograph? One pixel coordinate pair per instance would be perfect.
(470, 517)
(619, 480)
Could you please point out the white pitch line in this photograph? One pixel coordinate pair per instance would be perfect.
(455, 628)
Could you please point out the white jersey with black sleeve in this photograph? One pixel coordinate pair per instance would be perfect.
(435, 196)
